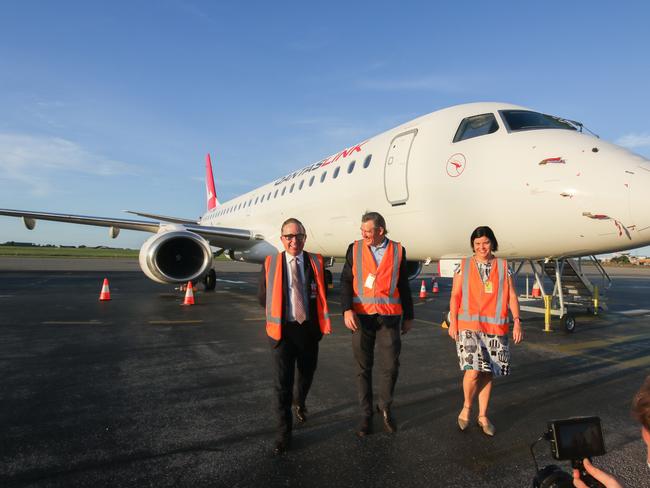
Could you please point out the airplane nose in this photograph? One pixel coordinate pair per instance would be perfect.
(639, 191)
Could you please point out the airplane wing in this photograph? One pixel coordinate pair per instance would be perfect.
(208, 232)
(164, 218)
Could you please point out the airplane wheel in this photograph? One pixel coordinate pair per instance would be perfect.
(568, 321)
(210, 280)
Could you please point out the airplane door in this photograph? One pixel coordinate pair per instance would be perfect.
(395, 168)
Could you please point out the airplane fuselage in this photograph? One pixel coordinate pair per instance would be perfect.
(546, 192)
(547, 189)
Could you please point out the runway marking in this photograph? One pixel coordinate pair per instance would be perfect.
(635, 312)
(428, 322)
(600, 343)
(578, 350)
(597, 343)
(167, 322)
(68, 322)
(232, 281)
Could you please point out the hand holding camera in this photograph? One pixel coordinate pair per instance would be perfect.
(575, 439)
(589, 473)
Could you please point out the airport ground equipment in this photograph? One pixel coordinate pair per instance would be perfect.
(573, 289)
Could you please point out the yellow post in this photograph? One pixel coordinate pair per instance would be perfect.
(596, 300)
(547, 313)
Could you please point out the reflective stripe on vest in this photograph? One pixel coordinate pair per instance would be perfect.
(485, 320)
(324, 321)
(384, 297)
(273, 266)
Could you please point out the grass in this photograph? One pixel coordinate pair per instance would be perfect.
(57, 252)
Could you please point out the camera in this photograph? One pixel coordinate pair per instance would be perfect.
(576, 438)
(571, 439)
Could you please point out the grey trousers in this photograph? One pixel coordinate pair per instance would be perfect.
(384, 331)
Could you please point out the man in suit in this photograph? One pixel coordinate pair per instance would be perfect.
(377, 308)
(292, 289)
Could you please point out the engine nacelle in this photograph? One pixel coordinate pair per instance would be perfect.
(413, 268)
(175, 257)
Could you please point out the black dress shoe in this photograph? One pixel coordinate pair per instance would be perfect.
(365, 427)
(282, 445)
(300, 412)
(389, 422)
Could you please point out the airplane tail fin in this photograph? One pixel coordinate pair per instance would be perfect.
(209, 184)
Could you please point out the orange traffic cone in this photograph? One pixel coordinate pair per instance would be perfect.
(423, 290)
(434, 287)
(105, 294)
(189, 295)
(536, 291)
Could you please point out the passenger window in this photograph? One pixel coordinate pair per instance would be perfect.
(291, 189)
(366, 162)
(275, 195)
(256, 200)
(302, 182)
(323, 176)
(283, 190)
(478, 125)
(268, 197)
(311, 180)
(351, 167)
(262, 199)
(336, 172)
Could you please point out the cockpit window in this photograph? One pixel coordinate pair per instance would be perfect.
(477, 125)
(517, 120)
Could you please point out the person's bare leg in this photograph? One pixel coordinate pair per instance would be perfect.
(484, 391)
(470, 387)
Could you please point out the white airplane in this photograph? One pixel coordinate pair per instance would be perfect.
(546, 188)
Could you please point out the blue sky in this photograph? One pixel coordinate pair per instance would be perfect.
(108, 106)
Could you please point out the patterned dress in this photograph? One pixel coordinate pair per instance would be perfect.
(488, 353)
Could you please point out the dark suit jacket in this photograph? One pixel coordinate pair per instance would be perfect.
(310, 330)
(347, 290)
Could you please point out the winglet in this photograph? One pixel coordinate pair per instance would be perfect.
(209, 184)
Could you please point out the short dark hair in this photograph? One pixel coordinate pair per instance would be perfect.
(641, 404)
(376, 218)
(484, 231)
(291, 220)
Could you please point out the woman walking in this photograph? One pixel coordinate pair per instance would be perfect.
(481, 296)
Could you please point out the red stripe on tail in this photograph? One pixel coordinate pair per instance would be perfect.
(209, 184)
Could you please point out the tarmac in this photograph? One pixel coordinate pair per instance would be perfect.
(141, 391)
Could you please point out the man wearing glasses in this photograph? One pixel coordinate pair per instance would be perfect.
(292, 289)
(377, 307)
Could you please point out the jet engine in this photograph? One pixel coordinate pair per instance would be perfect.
(175, 257)
(413, 269)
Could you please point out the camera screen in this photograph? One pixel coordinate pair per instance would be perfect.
(577, 438)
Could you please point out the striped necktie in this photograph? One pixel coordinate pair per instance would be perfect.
(297, 293)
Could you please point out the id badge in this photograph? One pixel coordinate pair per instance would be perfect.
(313, 290)
(370, 281)
(488, 287)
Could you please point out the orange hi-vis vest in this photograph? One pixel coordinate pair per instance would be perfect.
(383, 298)
(274, 305)
(484, 306)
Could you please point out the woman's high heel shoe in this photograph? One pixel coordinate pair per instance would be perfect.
(486, 426)
(463, 423)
